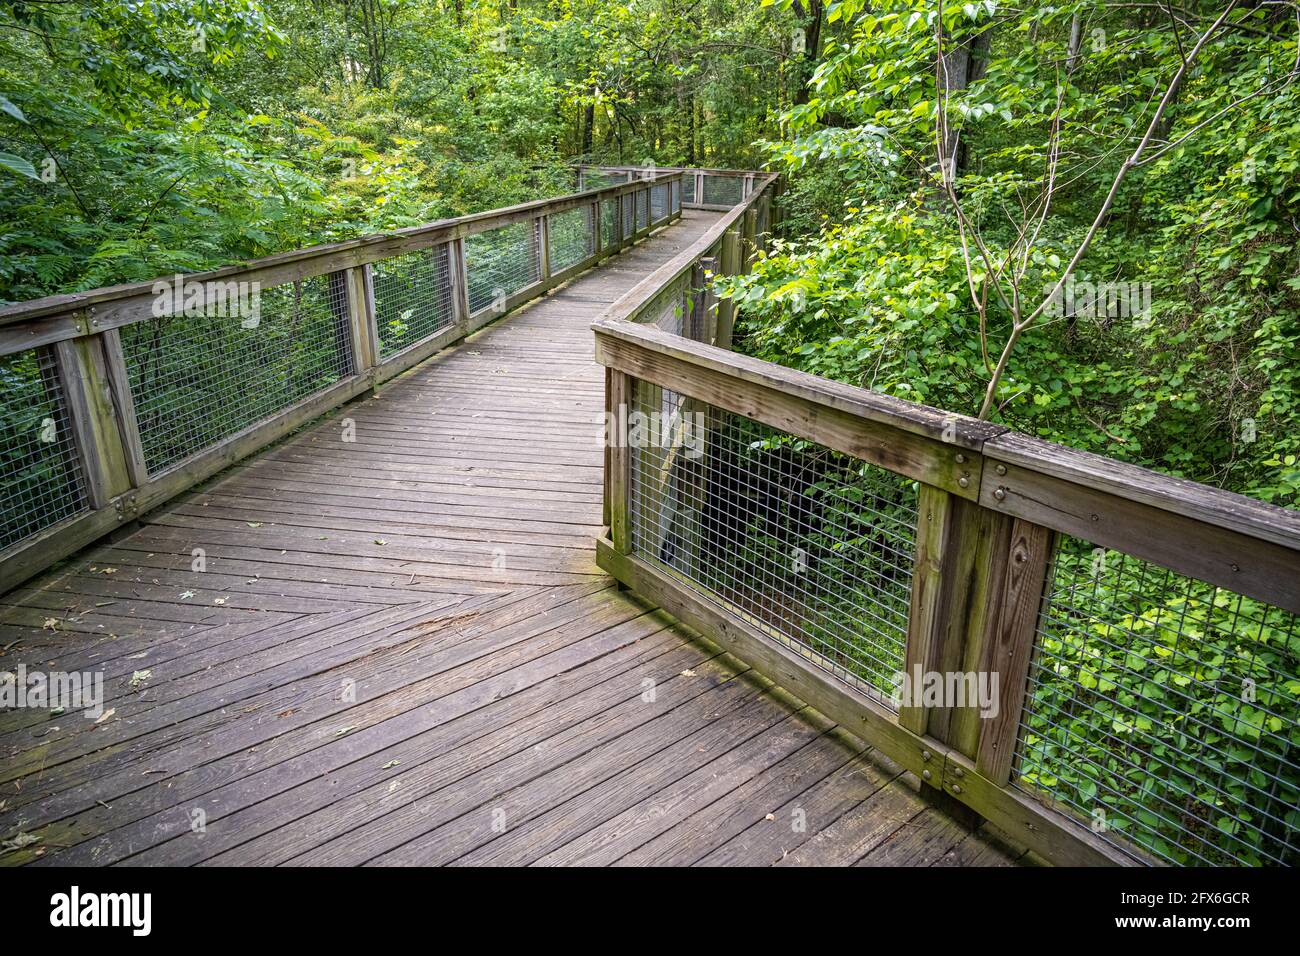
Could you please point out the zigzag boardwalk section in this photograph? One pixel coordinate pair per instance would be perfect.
(400, 650)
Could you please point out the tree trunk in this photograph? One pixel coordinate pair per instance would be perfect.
(588, 129)
(810, 20)
(957, 67)
(690, 132)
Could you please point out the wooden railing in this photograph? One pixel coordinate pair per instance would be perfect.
(118, 399)
(1137, 633)
(716, 189)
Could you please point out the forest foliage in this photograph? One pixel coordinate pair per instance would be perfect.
(1079, 219)
(872, 285)
(142, 137)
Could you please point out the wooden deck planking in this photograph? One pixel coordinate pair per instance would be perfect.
(441, 565)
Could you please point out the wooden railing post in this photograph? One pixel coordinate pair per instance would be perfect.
(956, 587)
(542, 233)
(748, 228)
(98, 401)
(119, 385)
(618, 397)
(731, 264)
(458, 274)
(765, 211)
(977, 584)
(1008, 645)
(361, 316)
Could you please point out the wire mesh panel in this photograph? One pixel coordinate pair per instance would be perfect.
(599, 179)
(629, 215)
(676, 192)
(413, 297)
(40, 472)
(501, 262)
(1165, 711)
(688, 188)
(198, 379)
(658, 202)
(609, 222)
(572, 238)
(813, 547)
(723, 190)
(642, 208)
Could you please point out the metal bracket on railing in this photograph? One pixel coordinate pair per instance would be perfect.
(81, 322)
(954, 775)
(126, 506)
(941, 767)
(932, 764)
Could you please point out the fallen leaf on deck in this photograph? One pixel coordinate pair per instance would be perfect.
(18, 842)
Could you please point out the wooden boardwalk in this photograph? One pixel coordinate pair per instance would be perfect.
(400, 650)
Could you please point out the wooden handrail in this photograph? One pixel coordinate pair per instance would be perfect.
(1254, 539)
(95, 310)
(991, 505)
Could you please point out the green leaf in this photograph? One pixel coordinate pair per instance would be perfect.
(8, 107)
(18, 165)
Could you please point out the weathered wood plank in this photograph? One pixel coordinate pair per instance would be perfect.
(84, 374)
(1244, 545)
(920, 443)
(1010, 646)
(780, 790)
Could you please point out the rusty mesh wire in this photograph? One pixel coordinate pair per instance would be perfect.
(722, 190)
(609, 222)
(659, 202)
(642, 208)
